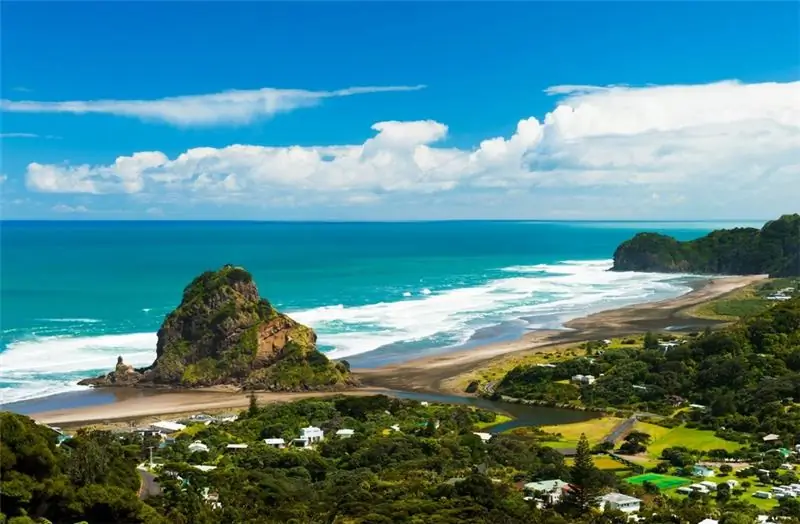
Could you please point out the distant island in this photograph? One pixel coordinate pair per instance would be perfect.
(224, 333)
(773, 250)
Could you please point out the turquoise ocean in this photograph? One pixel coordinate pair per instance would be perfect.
(75, 295)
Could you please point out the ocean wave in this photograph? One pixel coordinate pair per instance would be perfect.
(565, 290)
(543, 295)
(71, 320)
(42, 366)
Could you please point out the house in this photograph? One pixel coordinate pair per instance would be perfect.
(639, 388)
(772, 437)
(229, 418)
(424, 404)
(308, 437)
(666, 346)
(205, 468)
(345, 433)
(708, 521)
(395, 427)
(762, 495)
(702, 471)
(485, 437)
(583, 379)
(711, 486)
(620, 502)
(166, 426)
(277, 443)
(698, 407)
(196, 446)
(547, 491)
(685, 490)
(699, 488)
(732, 483)
(236, 446)
(546, 365)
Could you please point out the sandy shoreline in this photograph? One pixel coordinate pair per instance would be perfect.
(425, 374)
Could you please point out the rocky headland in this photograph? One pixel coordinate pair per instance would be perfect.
(773, 250)
(224, 333)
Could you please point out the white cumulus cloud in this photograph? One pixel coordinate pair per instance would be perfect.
(228, 107)
(64, 208)
(697, 147)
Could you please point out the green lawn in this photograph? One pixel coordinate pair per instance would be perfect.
(699, 439)
(747, 496)
(501, 419)
(603, 462)
(594, 430)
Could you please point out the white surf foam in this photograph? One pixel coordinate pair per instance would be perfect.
(72, 320)
(569, 290)
(42, 366)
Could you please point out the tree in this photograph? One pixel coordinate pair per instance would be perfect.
(585, 486)
(650, 340)
(726, 469)
(252, 409)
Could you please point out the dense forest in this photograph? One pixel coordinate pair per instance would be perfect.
(429, 468)
(747, 375)
(772, 250)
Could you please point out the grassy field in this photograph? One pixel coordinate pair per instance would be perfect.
(744, 302)
(496, 369)
(501, 419)
(747, 496)
(603, 462)
(594, 430)
(698, 439)
(662, 481)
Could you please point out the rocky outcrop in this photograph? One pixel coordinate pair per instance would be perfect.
(123, 375)
(224, 333)
(772, 250)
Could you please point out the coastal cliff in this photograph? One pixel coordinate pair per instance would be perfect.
(224, 333)
(774, 250)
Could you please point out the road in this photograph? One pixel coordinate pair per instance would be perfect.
(148, 486)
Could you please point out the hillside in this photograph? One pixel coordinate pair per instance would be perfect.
(223, 332)
(772, 250)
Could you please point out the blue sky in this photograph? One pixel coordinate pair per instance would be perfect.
(708, 105)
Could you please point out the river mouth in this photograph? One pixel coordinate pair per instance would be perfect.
(523, 415)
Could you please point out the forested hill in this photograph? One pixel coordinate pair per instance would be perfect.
(774, 250)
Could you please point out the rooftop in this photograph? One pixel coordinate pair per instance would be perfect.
(619, 498)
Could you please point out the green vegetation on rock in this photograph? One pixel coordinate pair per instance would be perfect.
(224, 333)
(772, 250)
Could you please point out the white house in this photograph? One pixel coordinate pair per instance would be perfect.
(204, 468)
(196, 446)
(772, 437)
(275, 442)
(485, 437)
(345, 433)
(308, 437)
(732, 483)
(395, 427)
(702, 471)
(236, 446)
(583, 379)
(708, 521)
(620, 502)
(166, 426)
(711, 486)
(312, 433)
(699, 488)
(546, 491)
(762, 495)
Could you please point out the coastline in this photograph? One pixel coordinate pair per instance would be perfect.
(429, 374)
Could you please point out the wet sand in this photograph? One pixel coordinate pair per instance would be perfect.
(426, 374)
(430, 373)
